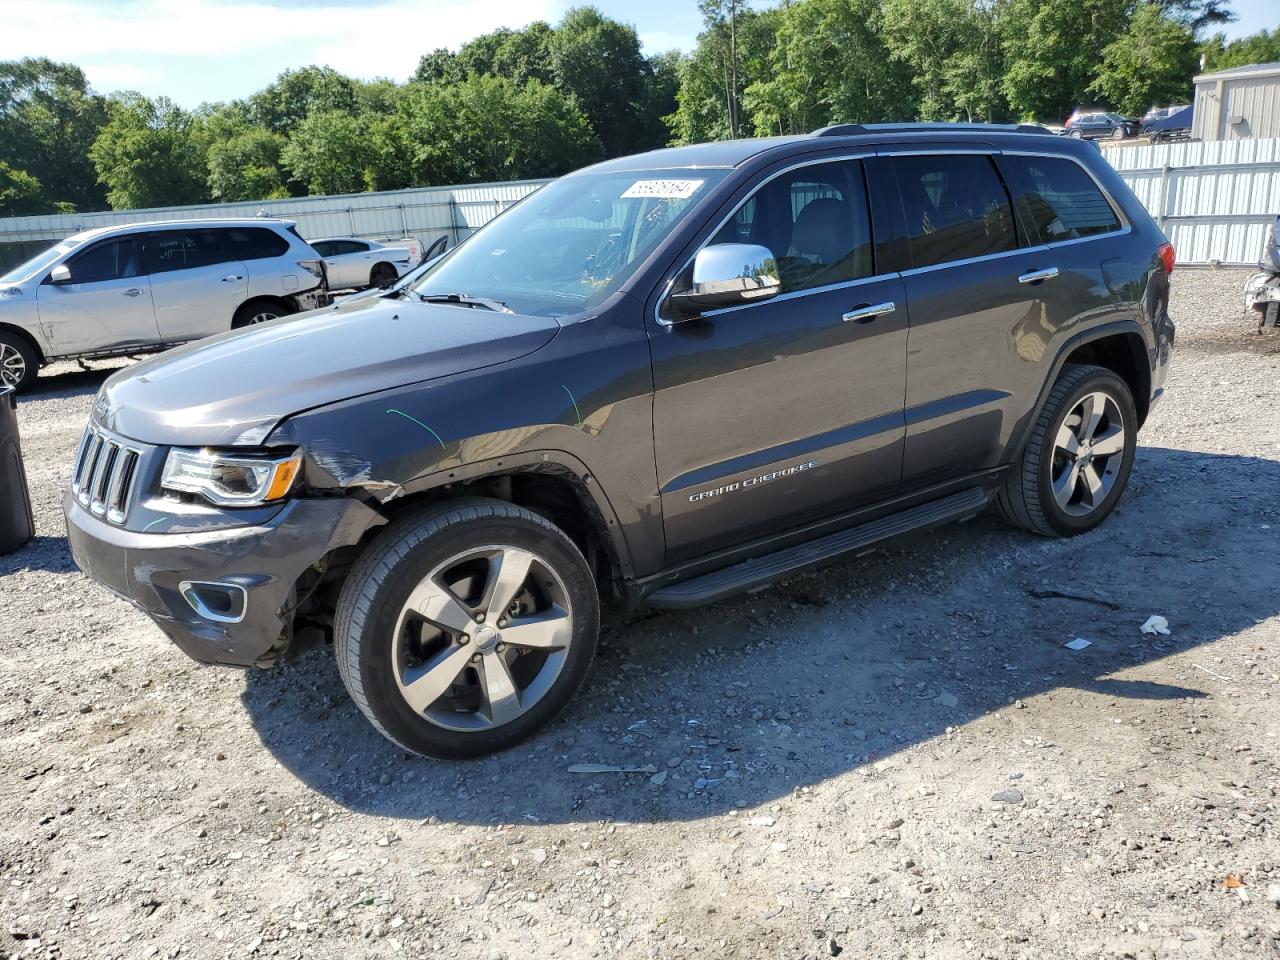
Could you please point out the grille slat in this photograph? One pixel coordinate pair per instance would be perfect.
(104, 474)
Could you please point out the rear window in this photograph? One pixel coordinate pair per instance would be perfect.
(1058, 199)
(956, 208)
(256, 243)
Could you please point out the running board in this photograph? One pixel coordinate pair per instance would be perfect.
(762, 571)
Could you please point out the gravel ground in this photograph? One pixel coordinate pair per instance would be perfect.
(895, 757)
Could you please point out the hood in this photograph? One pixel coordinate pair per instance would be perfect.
(233, 389)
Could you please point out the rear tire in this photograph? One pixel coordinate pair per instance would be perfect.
(1078, 458)
(258, 311)
(466, 627)
(1077, 135)
(383, 275)
(19, 361)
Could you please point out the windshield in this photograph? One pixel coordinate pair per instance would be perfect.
(37, 263)
(571, 244)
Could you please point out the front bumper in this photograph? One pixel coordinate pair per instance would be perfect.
(265, 560)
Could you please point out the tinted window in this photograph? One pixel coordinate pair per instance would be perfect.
(956, 207)
(113, 260)
(815, 222)
(326, 248)
(1057, 198)
(185, 249)
(256, 243)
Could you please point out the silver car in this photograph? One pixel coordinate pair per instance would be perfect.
(118, 291)
(353, 264)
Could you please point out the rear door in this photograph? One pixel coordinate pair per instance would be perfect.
(197, 282)
(984, 298)
(106, 306)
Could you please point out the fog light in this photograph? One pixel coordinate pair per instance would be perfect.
(219, 602)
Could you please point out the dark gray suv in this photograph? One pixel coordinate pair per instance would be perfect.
(662, 380)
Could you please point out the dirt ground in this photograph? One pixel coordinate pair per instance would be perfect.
(896, 757)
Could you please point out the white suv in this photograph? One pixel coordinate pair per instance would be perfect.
(148, 286)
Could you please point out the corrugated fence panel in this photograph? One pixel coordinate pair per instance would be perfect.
(426, 213)
(1215, 200)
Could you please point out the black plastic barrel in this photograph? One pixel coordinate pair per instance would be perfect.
(17, 526)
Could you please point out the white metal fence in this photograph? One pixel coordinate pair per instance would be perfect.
(1214, 199)
(426, 213)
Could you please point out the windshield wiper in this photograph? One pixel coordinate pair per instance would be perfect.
(465, 300)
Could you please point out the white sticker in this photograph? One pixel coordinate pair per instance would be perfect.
(663, 189)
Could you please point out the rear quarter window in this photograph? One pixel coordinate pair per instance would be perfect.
(1057, 198)
(256, 243)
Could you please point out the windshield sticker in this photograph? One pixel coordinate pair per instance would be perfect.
(663, 189)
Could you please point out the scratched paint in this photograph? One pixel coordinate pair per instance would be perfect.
(401, 413)
(576, 412)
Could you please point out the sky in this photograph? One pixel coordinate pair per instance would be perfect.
(210, 50)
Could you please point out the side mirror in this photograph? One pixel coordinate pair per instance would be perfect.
(60, 274)
(726, 275)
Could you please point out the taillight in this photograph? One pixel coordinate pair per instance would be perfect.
(1167, 257)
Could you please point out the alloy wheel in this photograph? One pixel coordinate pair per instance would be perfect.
(482, 638)
(1088, 453)
(263, 317)
(13, 366)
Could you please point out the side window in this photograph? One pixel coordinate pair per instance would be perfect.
(257, 243)
(814, 220)
(184, 249)
(1057, 198)
(167, 251)
(112, 260)
(207, 247)
(326, 248)
(956, 207)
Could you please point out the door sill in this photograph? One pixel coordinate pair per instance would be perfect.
(762, 571)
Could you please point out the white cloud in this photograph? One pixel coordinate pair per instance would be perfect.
(120, 44)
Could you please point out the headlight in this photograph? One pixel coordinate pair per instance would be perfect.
(230, 480)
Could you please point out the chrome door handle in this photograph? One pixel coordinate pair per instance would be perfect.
(1035, 276)
(133, 292)
(869, 312)
(231, 279)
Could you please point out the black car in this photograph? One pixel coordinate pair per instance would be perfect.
(664, 380)
(1098, 126)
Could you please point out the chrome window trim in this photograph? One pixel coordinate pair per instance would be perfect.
(829, 158)
(969, 261)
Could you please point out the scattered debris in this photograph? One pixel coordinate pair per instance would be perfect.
(1214, 673)
(1079, 643)
(947, 699)
(610, 768)
(1083, 598)
(1008, 796)
(1156, 624)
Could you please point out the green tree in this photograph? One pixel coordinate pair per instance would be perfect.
(1151, 63)
(20, 193)
(1260, 47)
(246, 166)
(150, 154)
(483, 128)
(329, 151)
(295, 94)
(48, 120)
(830, 65)
(704, 100)
(598, 61)
(1052, 50)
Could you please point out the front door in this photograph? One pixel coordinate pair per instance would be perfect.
(770, 414)
(106, 306)
(196, 281)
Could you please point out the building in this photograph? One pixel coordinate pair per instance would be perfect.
(1242, 103)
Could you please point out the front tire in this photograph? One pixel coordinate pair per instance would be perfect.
(1078, 458)
(466, 627)
(1117, 133)
(19, 362)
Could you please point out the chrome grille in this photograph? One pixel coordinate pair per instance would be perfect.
(105, 471)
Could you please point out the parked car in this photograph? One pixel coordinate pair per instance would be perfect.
(666, 379)
(1100, 125)
(353, 264)
(142, 287)
(1170, 123)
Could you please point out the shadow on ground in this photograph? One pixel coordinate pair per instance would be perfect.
(742, 702)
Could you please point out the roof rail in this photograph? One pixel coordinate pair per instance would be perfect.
(854, 129)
